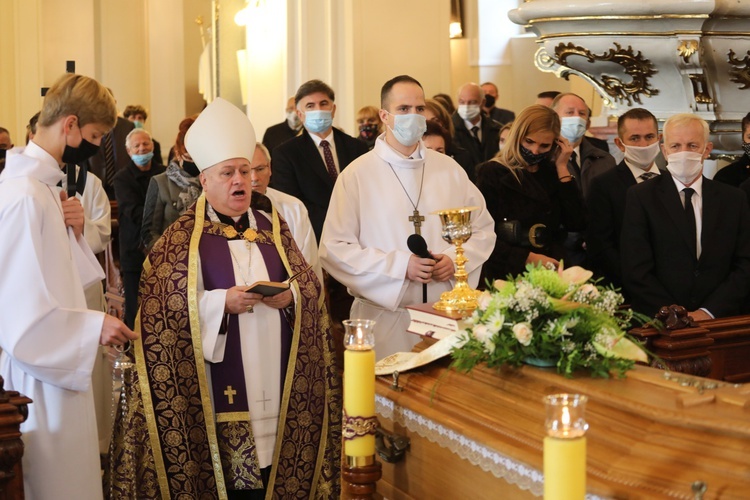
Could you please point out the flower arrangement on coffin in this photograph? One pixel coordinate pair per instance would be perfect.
(551, 316)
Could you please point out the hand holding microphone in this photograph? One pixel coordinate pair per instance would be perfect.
(420, 269)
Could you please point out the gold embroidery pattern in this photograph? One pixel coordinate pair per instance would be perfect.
(308, 453)
(238, 453)
(354, 427)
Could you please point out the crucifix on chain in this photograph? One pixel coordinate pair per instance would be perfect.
(417, 220)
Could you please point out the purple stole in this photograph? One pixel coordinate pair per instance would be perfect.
(228, 376)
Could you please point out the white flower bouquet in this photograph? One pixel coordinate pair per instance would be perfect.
(551, 317)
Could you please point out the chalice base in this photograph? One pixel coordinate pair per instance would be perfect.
(461, 300)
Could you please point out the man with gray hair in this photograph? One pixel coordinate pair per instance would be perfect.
(131, 186)
(475, 132)
(685, 238)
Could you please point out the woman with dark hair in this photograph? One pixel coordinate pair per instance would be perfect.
(436, 137)
(530, 194)
(171, 193)
(434, 111)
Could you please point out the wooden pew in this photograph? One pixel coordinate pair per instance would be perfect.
(13, 412)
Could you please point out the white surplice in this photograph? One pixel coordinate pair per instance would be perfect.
(97, 230)
(295, 214)
(49, 338)
(260, 342)
(363, 244)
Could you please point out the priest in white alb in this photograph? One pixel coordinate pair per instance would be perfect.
(381, 199)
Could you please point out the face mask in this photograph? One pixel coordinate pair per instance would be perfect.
(641, 156)
(572, 128)
(318, 120)
(293, 120)
(531, 158)
(746, 147)
(685, 166)
(468, 111)
(143, 159)
(408, 129)
(79, 154)
(489, 101)
(137, 124)
(368, 131)
(191, 168)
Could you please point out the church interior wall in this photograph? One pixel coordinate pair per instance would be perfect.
(147, 52)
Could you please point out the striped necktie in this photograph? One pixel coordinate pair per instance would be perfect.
(330, 164)
(109, 157)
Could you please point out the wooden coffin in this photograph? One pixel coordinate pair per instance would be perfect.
(480, 435)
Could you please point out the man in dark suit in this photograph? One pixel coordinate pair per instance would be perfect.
(306, 166)
(587, 161)
(476, 133)
(638, 137)
(278, 134)
(685, 238)
(500, 115)
(120, 158)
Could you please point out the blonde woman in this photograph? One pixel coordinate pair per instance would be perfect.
(530, 194)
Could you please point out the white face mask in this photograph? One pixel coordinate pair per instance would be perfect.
(293, 120)
(468, 111)
(408, 129)
(641, 156)
(572, 128)
(685, 166)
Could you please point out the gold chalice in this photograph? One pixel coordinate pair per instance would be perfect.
(456, 230)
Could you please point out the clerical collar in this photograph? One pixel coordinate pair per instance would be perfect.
(240, 223)
(389, 155)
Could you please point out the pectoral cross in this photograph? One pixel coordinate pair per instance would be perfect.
(229, 393)
(417, 220)
(263, 400)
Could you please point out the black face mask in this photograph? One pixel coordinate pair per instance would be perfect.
(78, 155)
(489, 101)
(531, 158)
(368, 132)
(2, 154)
(746, 147)
(191, 168)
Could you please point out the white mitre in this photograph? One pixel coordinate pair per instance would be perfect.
(221, 132)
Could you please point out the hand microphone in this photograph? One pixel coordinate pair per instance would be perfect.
(71, 179)
(418, 246)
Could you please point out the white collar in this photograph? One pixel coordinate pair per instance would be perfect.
(697, 186)
(394, 158)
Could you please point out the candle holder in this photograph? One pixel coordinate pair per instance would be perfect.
(361, 471)
(456, 230)
(565, 447)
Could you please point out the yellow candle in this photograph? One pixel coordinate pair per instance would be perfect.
(564, 468)
(359, 397)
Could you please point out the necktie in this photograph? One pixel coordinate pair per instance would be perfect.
(475, 133)
(109, 158)
(690, 217)
(647, 175)
(574, 163)
(330, 164)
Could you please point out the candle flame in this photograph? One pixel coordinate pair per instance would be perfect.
(360, 336)
(565, 419)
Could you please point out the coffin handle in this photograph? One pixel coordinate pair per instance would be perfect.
(391, 447)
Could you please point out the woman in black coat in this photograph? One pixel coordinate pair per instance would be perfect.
(531, 195)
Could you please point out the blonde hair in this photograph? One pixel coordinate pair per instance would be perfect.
(535, 118)
(442, 114)
(81, 96)
(684, 119)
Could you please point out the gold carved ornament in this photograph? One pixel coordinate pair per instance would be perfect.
(741, 71)
(637, 67)
(687, 48)
(354, 427)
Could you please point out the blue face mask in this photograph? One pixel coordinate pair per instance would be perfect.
(137, 124)
(408, 129)
(572, 128)
(318, 120)
(143, 159)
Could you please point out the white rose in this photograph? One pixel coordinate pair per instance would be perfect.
(482, 333)
(483, 302)
(523, 333)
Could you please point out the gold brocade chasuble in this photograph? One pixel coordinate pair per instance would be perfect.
(165, 442)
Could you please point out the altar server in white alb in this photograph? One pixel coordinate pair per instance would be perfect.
(381, 199)
(49, 338)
